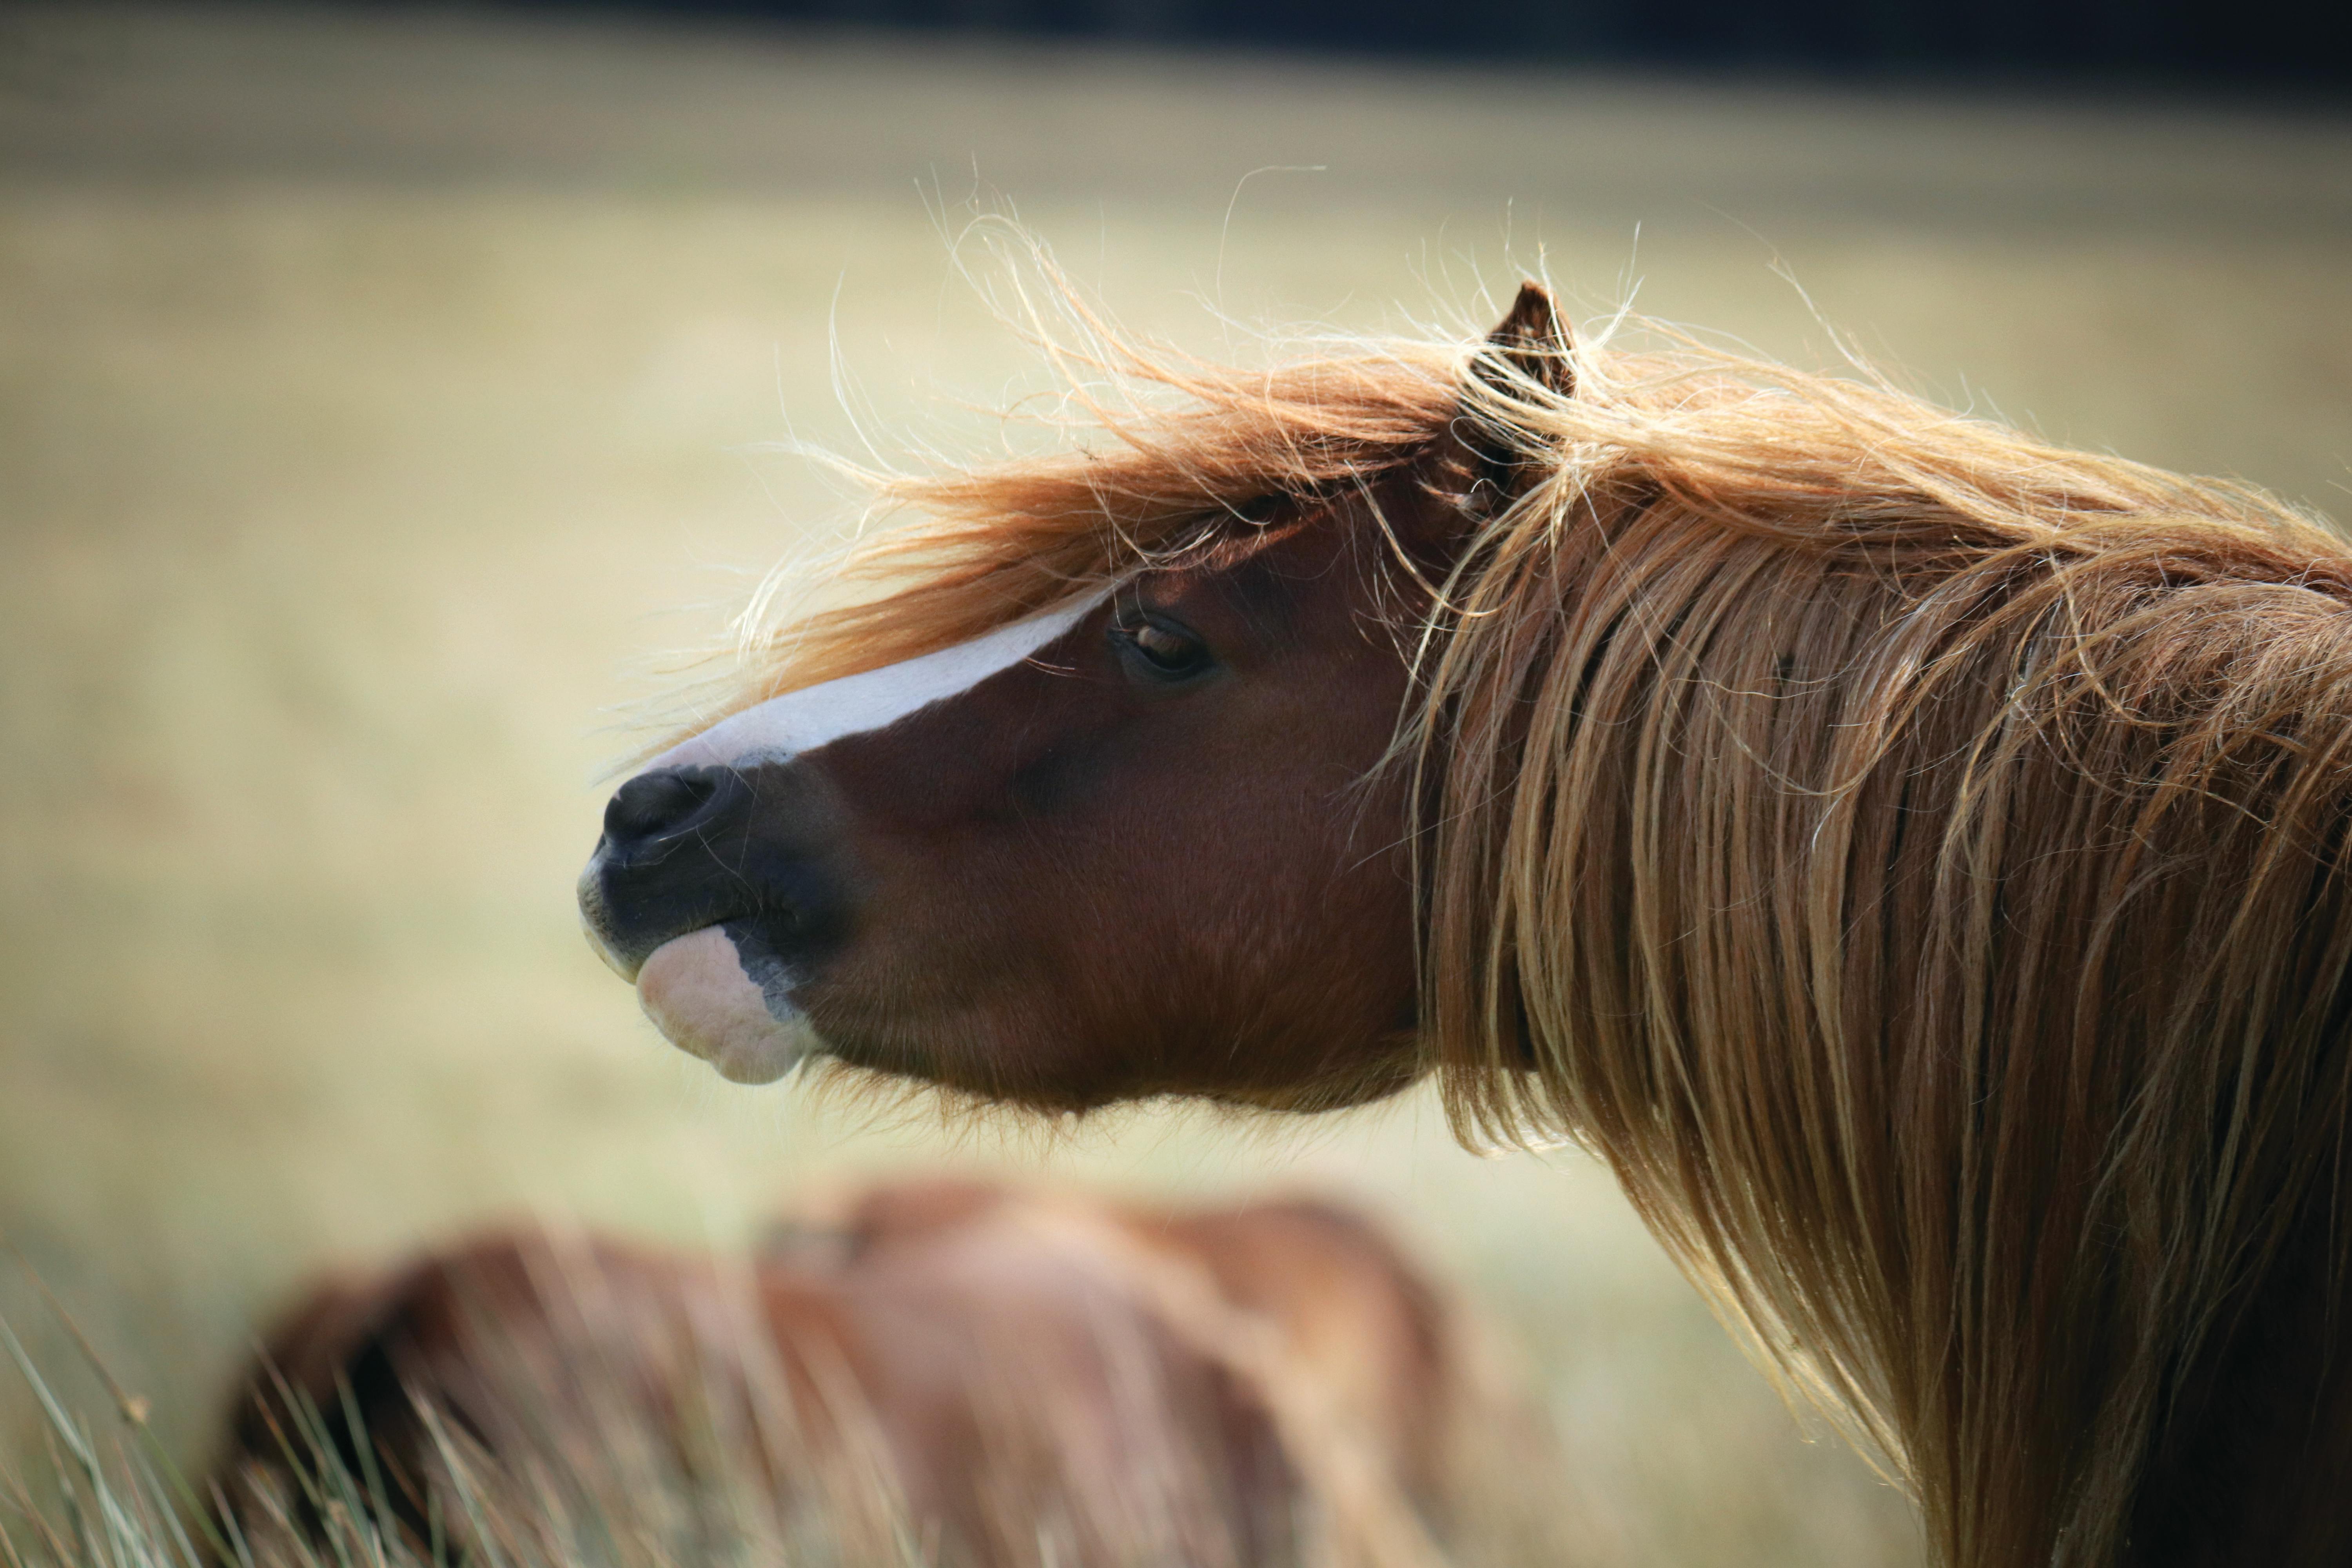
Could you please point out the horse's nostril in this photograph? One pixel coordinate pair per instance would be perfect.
(652, 804)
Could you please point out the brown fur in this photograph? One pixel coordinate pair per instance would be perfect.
(1016, 1377)
(1909, 853)
(1362, 1334)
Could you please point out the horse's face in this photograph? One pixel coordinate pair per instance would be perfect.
(1133, 847)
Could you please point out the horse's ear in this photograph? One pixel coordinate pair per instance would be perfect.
(1529, 344)
(1532, 339)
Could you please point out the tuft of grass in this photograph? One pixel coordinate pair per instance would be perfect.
(606, 1488)
(115, 1507)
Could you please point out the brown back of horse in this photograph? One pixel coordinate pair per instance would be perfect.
(1007, 1376)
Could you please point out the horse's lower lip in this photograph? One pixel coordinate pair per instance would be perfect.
(694, 990)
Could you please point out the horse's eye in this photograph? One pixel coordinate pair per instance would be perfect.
(1163, 651)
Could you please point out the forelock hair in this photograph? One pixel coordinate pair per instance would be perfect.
(1165, 453)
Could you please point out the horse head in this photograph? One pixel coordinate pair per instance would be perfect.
(1141, 841)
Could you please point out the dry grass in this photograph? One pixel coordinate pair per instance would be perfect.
(613, 1433)
(608, 1482)
(372, 399)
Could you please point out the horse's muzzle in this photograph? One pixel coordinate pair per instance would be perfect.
(749, 847)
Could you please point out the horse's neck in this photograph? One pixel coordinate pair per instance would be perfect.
(2259, 1468)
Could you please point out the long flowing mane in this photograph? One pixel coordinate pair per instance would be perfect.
(1909, 853)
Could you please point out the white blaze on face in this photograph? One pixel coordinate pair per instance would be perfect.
(694, 988)
(803, 721)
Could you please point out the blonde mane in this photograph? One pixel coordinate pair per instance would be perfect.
(1909, 853)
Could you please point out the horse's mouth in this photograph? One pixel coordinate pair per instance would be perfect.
(700, 950)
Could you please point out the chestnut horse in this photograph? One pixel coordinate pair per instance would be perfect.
(1910, 853)
(1008, 1378)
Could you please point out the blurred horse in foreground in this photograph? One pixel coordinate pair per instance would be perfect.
(1911, 854)
(950, 1372)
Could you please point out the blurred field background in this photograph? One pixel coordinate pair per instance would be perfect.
(380, 397)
